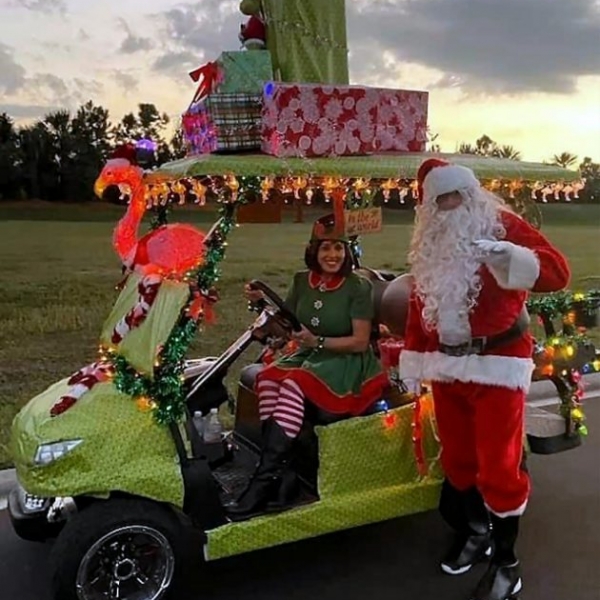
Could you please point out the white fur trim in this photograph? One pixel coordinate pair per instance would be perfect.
(517, 512)
(411, 365)
(443, 180)
(522, 271)
(489, 369)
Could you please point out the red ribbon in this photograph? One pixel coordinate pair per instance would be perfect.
(209, 76)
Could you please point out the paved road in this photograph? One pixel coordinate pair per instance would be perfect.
(559, 546)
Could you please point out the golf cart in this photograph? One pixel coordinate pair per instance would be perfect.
(118, 472)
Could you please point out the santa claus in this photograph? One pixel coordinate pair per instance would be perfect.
(474, 261)
(253, 33)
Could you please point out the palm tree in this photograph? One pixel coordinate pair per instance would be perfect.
(465, 148)
(506, 151)
(564, 159)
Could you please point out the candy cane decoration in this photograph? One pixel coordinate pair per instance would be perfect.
(148, 290)
(80, 383)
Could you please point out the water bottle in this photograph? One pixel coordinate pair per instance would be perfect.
(212, 427)
(198, 420)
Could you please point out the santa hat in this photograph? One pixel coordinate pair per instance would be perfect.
(125, 151)
(436, 177)
(253, 31)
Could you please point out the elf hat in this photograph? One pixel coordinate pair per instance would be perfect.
(328, 228)
(436, 177)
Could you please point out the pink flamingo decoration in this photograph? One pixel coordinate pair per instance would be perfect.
(168, 251)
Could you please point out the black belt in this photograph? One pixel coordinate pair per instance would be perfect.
(479, 345)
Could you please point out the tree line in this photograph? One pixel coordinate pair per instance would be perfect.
(58, 157)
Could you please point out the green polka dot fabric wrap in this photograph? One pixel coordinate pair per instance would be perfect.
(368, 473)
(123, 448)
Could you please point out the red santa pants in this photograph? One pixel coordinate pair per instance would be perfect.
(481, 432)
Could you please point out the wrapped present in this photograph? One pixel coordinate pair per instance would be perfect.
(223, 123)
(198, 131)
(401, 121)
(244, 72)
(320, 120)
(308, 40)
(315, 120)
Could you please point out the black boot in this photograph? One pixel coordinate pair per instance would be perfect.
(288, 492)
(266, 481)
(466, 513)
(502, 580)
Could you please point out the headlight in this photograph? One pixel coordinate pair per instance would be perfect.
(47, 453)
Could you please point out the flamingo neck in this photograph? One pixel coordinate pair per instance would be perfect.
(125, 237)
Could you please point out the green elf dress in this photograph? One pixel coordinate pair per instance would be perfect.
(339, 383)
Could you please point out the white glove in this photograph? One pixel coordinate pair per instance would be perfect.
(494, 253)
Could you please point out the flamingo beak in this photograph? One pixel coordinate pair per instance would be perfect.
(99, 187)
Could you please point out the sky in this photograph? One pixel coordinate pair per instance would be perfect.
(524, 72)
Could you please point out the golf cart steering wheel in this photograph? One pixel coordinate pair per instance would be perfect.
(276, 301)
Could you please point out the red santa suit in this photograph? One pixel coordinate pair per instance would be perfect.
(479, 393)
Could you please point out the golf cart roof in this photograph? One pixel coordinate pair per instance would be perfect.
(376, 166)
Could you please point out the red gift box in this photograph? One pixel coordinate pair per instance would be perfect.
(323, 120)
(401, 121)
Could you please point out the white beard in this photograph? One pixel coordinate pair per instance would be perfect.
(445, 263)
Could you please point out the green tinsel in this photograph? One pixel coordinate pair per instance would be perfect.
(560, 303)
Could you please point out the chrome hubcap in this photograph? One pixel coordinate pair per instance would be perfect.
(130, 563)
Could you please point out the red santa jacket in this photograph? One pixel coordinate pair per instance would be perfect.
(535, 265)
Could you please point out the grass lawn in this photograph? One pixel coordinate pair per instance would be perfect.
(59, 270)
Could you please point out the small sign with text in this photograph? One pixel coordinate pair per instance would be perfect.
(363, 220)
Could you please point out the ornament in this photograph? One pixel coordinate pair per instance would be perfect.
(318, 304)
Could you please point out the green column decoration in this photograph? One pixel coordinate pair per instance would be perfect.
(307, 40)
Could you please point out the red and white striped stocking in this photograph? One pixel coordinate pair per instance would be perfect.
(289, 411)
(268, 394)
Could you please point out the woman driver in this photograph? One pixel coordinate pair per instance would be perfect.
(335, 367)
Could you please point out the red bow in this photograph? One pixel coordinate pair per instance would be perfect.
(202, 306)
(209, 76)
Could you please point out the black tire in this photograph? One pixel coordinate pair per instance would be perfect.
(91, 537)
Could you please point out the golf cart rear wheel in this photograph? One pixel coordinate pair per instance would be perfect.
(117, 549)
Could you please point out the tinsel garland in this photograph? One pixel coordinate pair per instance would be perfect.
(164, 393)
(557, 356)
(560, 303)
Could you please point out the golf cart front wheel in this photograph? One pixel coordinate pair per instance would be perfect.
(116, 549)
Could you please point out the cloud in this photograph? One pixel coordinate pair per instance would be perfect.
(66, 93)
(44, 6)
(489, 46)
(12, 74)
(176, 64)
(132, 43)
(128, 83)
(55, 85)
(27, 111)
(199, 28)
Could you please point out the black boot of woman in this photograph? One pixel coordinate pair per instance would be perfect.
(265, 485)
(502, 580)
(466, 513)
